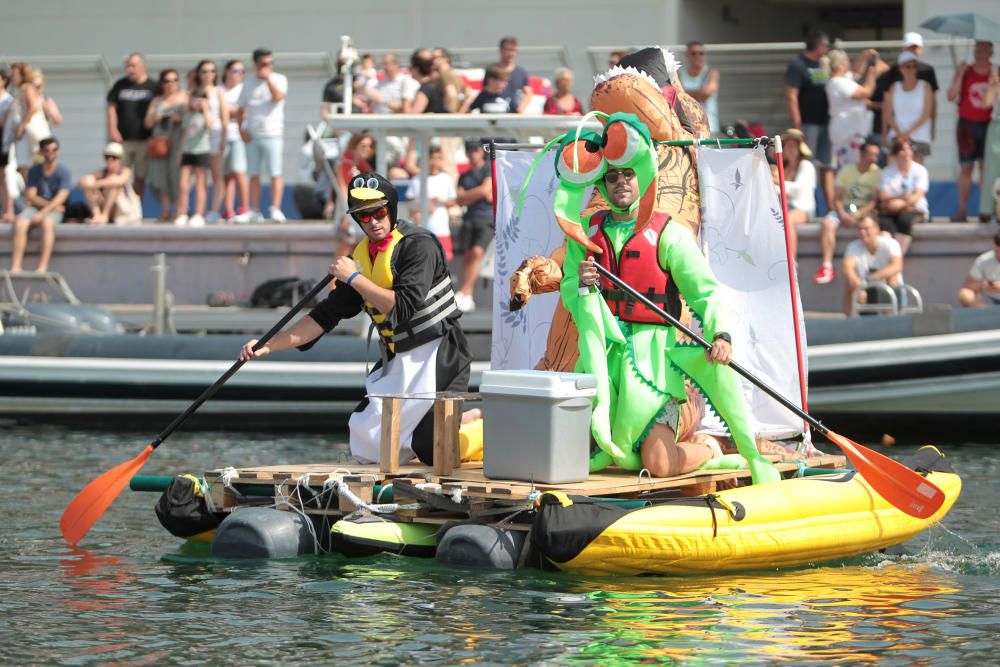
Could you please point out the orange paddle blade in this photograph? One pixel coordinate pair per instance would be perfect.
(88, 506)
(906, 489)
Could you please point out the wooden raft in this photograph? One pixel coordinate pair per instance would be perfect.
(410, 480)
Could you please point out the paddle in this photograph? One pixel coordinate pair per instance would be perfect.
(904, 488)
(95, 498)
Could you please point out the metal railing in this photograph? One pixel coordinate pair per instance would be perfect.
(71, 63)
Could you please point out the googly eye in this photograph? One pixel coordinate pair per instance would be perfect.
(621, 143)
(373, 183)
(358, 182)
(580, 161)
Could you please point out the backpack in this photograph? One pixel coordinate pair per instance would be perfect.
(281, 292)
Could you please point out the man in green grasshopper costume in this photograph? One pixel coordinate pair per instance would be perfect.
(639, 363)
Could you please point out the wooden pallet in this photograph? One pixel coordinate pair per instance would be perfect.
(469, 483)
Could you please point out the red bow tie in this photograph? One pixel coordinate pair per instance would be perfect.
(375, 247)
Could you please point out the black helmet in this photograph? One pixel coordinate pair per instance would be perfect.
(368, 191)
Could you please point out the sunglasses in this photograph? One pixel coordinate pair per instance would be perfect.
(612, 175)
(368, 216)
(111, 157)
(696, 53)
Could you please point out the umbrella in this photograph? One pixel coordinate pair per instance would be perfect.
(974, 26)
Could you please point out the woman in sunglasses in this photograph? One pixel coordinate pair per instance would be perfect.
(163, 119)
(398, 275)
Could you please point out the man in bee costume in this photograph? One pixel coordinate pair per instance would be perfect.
(397, 275)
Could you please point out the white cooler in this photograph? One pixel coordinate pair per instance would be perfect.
(537, 425)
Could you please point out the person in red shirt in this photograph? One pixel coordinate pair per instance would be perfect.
(968, 88)
(562, 101)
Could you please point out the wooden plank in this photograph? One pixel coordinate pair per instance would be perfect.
(389, 446)
(446, 448)
(454, 423)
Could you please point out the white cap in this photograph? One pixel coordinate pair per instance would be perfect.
(905, 57)
(913, 39)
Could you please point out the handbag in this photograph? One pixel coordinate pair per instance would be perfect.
(128, 207)
(157, 148)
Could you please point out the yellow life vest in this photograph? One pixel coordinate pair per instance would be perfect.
(379, 272)
(427, 322)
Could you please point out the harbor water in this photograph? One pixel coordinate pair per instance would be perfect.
(130, 594)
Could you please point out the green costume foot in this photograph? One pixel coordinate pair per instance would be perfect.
(725, 462)
(763, 471)
(599, 460)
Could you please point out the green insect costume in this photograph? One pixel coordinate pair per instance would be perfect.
(640, 366)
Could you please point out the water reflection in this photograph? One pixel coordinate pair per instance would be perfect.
(794, 617)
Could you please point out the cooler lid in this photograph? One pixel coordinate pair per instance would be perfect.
(538, 383)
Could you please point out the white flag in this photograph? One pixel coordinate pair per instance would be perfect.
(519, 337)
(744, 239)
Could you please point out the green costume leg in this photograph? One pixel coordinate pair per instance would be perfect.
(721, 387)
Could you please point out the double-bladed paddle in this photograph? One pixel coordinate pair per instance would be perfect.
(95, 498)
(904, 488)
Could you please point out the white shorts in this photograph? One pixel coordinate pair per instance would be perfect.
(264, 156)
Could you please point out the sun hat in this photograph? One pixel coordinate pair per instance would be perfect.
(794, 133)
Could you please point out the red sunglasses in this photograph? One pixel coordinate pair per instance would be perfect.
(368, 216)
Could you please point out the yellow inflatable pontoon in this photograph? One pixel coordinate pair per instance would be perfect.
(783, 524)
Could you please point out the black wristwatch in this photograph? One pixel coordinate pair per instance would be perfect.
(722, 335)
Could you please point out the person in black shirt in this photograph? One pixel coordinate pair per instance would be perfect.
(491, 99)
(805, 93)
(128, 101)
(430, 96)
(333, 95)
(475, 193)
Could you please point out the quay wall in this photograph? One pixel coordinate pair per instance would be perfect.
(112, 264)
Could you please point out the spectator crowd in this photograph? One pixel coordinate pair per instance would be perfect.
(205, 145)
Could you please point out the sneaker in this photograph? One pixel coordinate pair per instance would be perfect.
(464, 302)
(254, 216)
(825, 274)
(213, 216)
(242, 217)
(181, 221)
(196, 221)
(276, 214)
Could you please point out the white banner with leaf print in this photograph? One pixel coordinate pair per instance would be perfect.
(519, 337)
(742, 238)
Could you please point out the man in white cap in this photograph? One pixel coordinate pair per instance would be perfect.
(914, 43)
(109, 191)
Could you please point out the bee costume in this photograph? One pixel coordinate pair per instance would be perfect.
(423, 347)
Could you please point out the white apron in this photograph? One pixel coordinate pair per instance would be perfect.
(414, 371)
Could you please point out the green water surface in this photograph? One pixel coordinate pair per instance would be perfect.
(131, 595)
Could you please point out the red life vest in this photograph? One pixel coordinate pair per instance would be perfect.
(639, 267)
